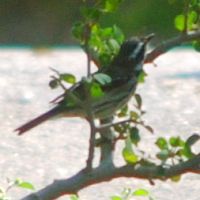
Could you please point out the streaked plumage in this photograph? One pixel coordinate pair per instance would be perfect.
(123, 70)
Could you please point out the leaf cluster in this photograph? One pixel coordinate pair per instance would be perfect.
(128, 194)
(130, 131)
(17, 183)
(176, 148)
(189, 20)
(101, 43)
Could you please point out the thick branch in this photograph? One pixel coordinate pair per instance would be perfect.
(106, 173)
(167, 45)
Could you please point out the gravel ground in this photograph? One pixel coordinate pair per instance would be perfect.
(58, 149)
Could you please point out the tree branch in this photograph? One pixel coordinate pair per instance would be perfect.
(90, 118)
(104, 173)
(168, 44)
(107, 145)
(91, 144)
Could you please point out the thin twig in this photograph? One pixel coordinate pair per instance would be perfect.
(60, 83)
(91, 144)
(88, 63)
(90, 118)
(87, 50)
(89, 111)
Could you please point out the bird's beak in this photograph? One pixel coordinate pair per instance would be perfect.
(147, 38)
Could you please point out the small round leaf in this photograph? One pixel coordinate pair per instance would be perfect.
(69, 78)
(141, 192)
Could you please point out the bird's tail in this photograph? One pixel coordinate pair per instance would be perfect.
(38, 120)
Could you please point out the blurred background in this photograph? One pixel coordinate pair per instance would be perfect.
(48, 22)
(170, 94)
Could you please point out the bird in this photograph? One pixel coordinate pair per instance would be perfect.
(123, 71)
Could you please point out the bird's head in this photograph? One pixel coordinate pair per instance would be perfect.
(132, 51)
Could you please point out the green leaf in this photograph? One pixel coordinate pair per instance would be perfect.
(24, 184)
(134, 115)
(176, 178)
(162, 143)
(141, 77)
(129, 156)
(149, 128)
(103, 79)
(192, 139)
(163, 155)
(96, 91)
(106, 32)
(74, 197)
(78, 31)
(141, 192)
(53, 84)
(138, 100)
(112, 5)
(114, 45)
(192, 18)
(118, 34)
(105, 42)
(91, 13)
(196, 45)
(186, 151)
(176, 142)
(123, 111)
(116, 198)
(179, 22)
(128, 153)
(69, 78)
(134, 135)
(195, 4)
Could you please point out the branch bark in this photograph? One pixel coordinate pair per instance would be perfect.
(104, 173)
(107, 144)
(169, 44)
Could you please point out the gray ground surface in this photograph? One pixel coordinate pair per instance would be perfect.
(58, 149)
